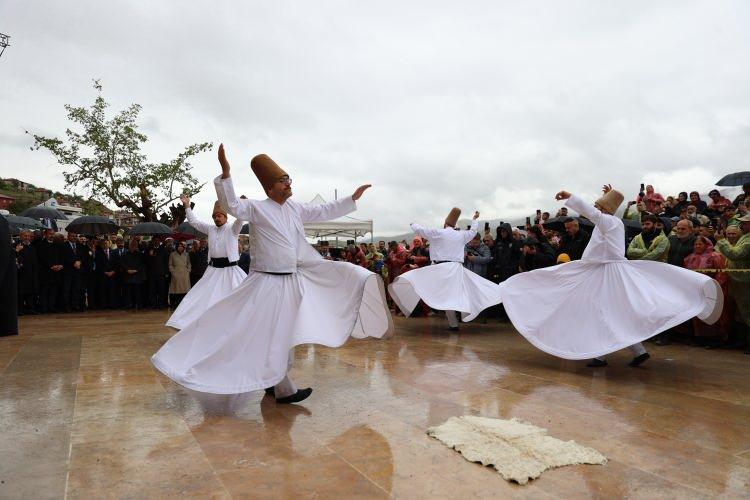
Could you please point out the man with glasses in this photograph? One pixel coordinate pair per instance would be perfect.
(292, 296)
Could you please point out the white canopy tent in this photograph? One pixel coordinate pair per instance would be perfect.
(343, 227)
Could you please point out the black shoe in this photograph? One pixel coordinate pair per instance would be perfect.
(638, 360)
(270, 391)
(452, 329)
(298, 396)
(596, 363)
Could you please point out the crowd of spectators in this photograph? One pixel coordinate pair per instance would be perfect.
(73, 273)
(708, 237)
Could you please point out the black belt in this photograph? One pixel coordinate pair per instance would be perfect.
(269, 272)
(444, 261)
(220, 262)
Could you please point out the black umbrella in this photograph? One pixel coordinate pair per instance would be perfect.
(186, 229)
(92, 225)
(150, 229)
(735, 179)
(23, 222)
(558, 223)
(43, 213)
(632, 228)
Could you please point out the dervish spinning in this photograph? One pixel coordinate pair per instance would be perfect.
(604, 302)
(446, 285)
(291, 296)
(223, 274)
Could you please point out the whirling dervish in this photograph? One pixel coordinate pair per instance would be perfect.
(292, 296)
(604, 302)
(223, 274)
(446, 285)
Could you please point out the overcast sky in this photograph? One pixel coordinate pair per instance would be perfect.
(486, 104)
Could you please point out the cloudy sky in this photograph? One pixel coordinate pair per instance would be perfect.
(491, 105)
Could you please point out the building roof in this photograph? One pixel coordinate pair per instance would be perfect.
(6, 197)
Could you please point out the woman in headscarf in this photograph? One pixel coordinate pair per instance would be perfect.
(710, 263)
(651, 199)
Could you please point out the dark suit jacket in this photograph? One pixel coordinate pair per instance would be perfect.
(8, 286)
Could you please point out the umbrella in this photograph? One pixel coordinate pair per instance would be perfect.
(735, 179)
(632, 228)
(558, 223)
(92, 225)
(150, 229)
(43, 213)
(19, 222)
(186, 229)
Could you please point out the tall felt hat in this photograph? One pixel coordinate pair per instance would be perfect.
(266, 170)
(218, 209)
(611, 201)
(452, 218)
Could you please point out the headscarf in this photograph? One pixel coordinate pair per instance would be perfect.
(704, 260)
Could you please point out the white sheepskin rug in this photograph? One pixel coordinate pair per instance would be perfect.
(518, 450)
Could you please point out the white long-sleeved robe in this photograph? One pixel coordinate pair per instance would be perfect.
(604, 302)
(243, 342)
(447, 286)
(216, 283)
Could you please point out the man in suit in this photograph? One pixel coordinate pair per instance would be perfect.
(50, 254)
(28, 273)
(106, 264)
(73, 291)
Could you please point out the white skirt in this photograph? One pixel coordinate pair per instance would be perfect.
(242, 343)
(215, 284)
(582, 310)
(447, 287)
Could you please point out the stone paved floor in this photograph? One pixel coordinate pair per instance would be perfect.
(84, 415)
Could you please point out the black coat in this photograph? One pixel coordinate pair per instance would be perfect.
(72, 254)
(198, 262)
(679, 249)
(106, 264)
(8, 285)
(49, 254)
(157, 261)
(132, 260)
(506, 255)
(28, 270)
(575, 245)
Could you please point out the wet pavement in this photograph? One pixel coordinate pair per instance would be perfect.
(85, 415)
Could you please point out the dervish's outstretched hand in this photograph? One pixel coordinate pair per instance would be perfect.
(606, 188)
(185, 199)
(360, 190)
(476, 215)
(562, 195)
(224, 163)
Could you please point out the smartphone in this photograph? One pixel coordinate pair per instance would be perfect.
(643, 187)
(528, 221)
(538, 212)
(486, 226)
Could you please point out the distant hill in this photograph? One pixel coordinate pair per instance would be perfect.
(28, 195)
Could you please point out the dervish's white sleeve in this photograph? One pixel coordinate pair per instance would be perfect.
(196, 222)
(472, 231)
(327, 211)
(589, 211)
(424, 232)
(241, 209)
(237, 227)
